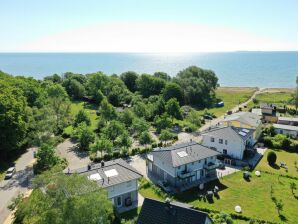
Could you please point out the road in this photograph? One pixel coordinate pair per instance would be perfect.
(18, 184)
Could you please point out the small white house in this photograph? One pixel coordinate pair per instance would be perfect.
(286, 130)
(229, 140)
(118, 178)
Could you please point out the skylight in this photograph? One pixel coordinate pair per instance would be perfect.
(245, 130)
(111, 173)
(242, 133)
(94, 176)
(182, 154)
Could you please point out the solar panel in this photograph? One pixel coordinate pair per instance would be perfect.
(245, 130)
(242, 133)
(111, 173)
(182, 154)
(94, 176)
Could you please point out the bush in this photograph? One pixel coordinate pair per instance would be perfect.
(271, 158)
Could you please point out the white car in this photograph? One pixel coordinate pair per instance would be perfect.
(10, 172)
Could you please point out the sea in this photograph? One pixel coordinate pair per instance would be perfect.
(247, 69)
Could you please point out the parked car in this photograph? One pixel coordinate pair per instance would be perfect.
(10, 172)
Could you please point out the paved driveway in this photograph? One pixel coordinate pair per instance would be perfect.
(76, 158)
(9, 189)
(139, 163)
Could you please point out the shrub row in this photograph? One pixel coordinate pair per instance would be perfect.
(236, 216)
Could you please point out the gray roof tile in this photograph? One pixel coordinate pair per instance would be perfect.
(124, 170)
(194, 152)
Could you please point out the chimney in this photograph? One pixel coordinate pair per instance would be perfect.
(102, 163)
(89, 167)
(191, 140)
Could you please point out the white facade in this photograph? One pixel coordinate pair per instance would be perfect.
(119, 190)
(286, 130)
(233, 146)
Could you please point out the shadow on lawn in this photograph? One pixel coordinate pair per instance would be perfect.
(194, 193)
(274, 166)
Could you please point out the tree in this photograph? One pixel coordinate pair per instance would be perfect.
(81, 117)
(140, 109)
(74, 88)
(173, 109)
(149, 85)
(103, 145)
(129, 78)
(127, 117)
(84, 135)
(145, 138)
(279, 206)
(271, 158)
(162, 122)
(124, 141)
(293, 187)
(295, 96)
(45, 158)
(107, 111)
(113, 130)
(166, 135)
(198, 85)
(59, 198)
(13, 119)
(140, 125)
(162, 75)
(99, 96)
(172, 90)
(53, 78)
(222, 218)
(60, 105)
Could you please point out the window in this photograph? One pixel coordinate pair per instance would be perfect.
(226, 142)
(220, 141)
(128, 184)
(212, 139)
(224, 151)
(179, 167)
(112, 188)
(192, 163)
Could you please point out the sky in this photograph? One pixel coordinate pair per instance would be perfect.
(148, 26)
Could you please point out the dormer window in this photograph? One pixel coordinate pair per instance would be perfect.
(212, 139)
(220, 141)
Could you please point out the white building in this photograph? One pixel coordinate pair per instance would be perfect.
(286, 130)
(228, 140)
(118, 178)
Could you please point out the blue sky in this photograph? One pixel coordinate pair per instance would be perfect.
(57, 25)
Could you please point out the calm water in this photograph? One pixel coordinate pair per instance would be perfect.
(263, 69)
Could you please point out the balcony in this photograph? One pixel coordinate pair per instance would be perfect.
(185, 174)
(211, 166)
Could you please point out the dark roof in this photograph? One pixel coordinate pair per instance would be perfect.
(157, 212)
(229, 132)
(193, 150)
(124, 170)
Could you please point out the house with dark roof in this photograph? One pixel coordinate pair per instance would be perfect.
(229, 140)
(157, 212)
(118, 178)
(182, 166)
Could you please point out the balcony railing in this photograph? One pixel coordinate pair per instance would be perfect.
(211, 166)
(185, 174)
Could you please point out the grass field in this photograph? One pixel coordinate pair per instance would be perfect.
(231, 96)
(282, 156)
(76, 106)
(253, 197)
(272, 96)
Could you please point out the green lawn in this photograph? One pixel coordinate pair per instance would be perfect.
(231, 96)
(90, 109)
(253, 196)
(282, 156)
(279, 98)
